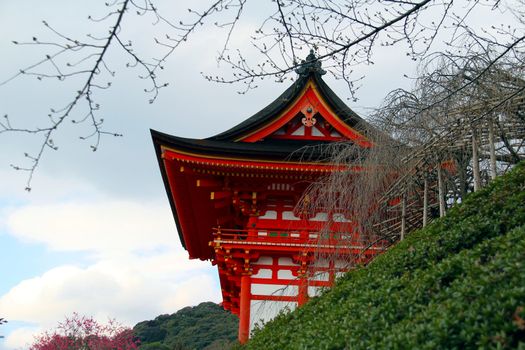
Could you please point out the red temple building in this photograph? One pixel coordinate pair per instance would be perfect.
(234, 197)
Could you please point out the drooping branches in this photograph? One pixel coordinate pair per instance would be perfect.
(458, 128)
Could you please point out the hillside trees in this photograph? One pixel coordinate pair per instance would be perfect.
(205, 326)
(344, 34)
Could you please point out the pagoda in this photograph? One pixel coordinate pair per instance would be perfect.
(234, 199)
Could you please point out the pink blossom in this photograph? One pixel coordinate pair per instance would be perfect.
(84, 333)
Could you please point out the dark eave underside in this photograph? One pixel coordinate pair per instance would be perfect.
(164, 175)
(278, 150)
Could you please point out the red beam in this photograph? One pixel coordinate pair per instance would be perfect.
(275, 298)
(220, 195)
(291, 282)
(208, 183)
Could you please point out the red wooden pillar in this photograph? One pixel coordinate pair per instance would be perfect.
(302, 298)
(331, 272)
(244, 312)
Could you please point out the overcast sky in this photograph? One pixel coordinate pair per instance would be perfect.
(96, 235)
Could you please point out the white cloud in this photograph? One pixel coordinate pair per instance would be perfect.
(128, 288)
(20, 338)
(100, 226)
(136, 271)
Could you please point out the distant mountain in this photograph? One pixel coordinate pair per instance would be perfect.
(206, 326)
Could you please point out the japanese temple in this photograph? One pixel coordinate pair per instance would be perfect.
(234, 199)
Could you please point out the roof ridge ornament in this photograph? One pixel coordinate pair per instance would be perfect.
(310, 65)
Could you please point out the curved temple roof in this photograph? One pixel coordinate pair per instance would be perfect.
(230, 141)
(251, 141)
(280, 104)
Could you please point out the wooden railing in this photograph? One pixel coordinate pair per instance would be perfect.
(310, 238)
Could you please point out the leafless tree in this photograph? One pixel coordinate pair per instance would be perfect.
(2, 321)
(458, 127)
(344, 33)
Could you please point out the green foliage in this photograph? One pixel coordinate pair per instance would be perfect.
(457, 284)
(154, 346)
(206, 326)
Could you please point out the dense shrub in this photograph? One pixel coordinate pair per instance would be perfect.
(459, 283)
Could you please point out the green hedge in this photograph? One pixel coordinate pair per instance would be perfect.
(457, 284)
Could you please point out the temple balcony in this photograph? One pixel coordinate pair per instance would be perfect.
(294, 240)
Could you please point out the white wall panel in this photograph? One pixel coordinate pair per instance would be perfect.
(264, 260)
(262, 311)
(274, 289)
(263, 273)
(314, 291)
(285, 275)
(287, 262)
